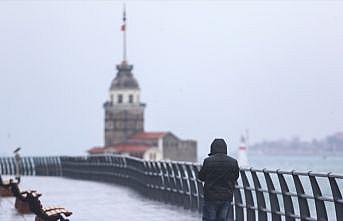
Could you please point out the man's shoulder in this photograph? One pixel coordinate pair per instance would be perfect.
(207, 159)
(214, 159)
(231, 159)
(210, 158)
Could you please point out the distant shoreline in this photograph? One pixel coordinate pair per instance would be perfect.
(277, 153)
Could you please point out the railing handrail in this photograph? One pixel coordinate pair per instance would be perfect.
(258, 192)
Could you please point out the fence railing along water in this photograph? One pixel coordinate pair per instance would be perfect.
(259, 195)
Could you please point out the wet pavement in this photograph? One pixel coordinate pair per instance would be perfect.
(89, 200)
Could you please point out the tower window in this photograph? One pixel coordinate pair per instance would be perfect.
(130, 98)
(120, 98)
(111, 98)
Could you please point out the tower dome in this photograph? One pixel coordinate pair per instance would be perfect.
(124, 78)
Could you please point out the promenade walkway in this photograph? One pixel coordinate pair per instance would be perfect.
(91, 201)
(259, 193)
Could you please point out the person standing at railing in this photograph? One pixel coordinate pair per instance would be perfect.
(220, 173)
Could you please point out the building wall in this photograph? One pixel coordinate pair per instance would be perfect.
(122, 121)
(188, 150)
(150, 142)
(152, 154)
(179, 150)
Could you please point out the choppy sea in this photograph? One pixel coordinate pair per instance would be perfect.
(324, 164)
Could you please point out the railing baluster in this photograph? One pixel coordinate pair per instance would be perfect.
(200, 189)
(273, 199)
(317, 193)
(249, 200)
(12, 165)
(1, 166)
(337, 196)
(160, 184)
(303, 204)
(261, 202)
(239, 213)
(287, 199)
(193, 185)
(187, 187)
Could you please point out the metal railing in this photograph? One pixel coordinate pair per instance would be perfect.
(259, 194)
(30, 166)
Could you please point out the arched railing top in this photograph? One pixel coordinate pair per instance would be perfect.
(260, 194)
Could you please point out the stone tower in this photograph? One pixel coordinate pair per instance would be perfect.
(124, 113)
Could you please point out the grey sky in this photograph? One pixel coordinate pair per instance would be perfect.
(206, 69)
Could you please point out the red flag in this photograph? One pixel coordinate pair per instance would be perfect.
(122, 27)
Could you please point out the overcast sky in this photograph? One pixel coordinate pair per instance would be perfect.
(206, 69)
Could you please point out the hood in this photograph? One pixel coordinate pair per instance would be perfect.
(218, 146)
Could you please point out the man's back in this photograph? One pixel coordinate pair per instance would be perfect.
(219, 172)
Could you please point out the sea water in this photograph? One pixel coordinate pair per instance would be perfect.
(306, 163)
(303, 163)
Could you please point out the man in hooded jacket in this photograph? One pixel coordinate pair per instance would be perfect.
(220, 173)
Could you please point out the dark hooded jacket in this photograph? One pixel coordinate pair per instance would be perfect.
(219, 172)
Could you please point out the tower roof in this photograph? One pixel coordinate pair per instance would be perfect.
(124, 78)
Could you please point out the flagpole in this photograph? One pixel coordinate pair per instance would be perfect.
(124, 36)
